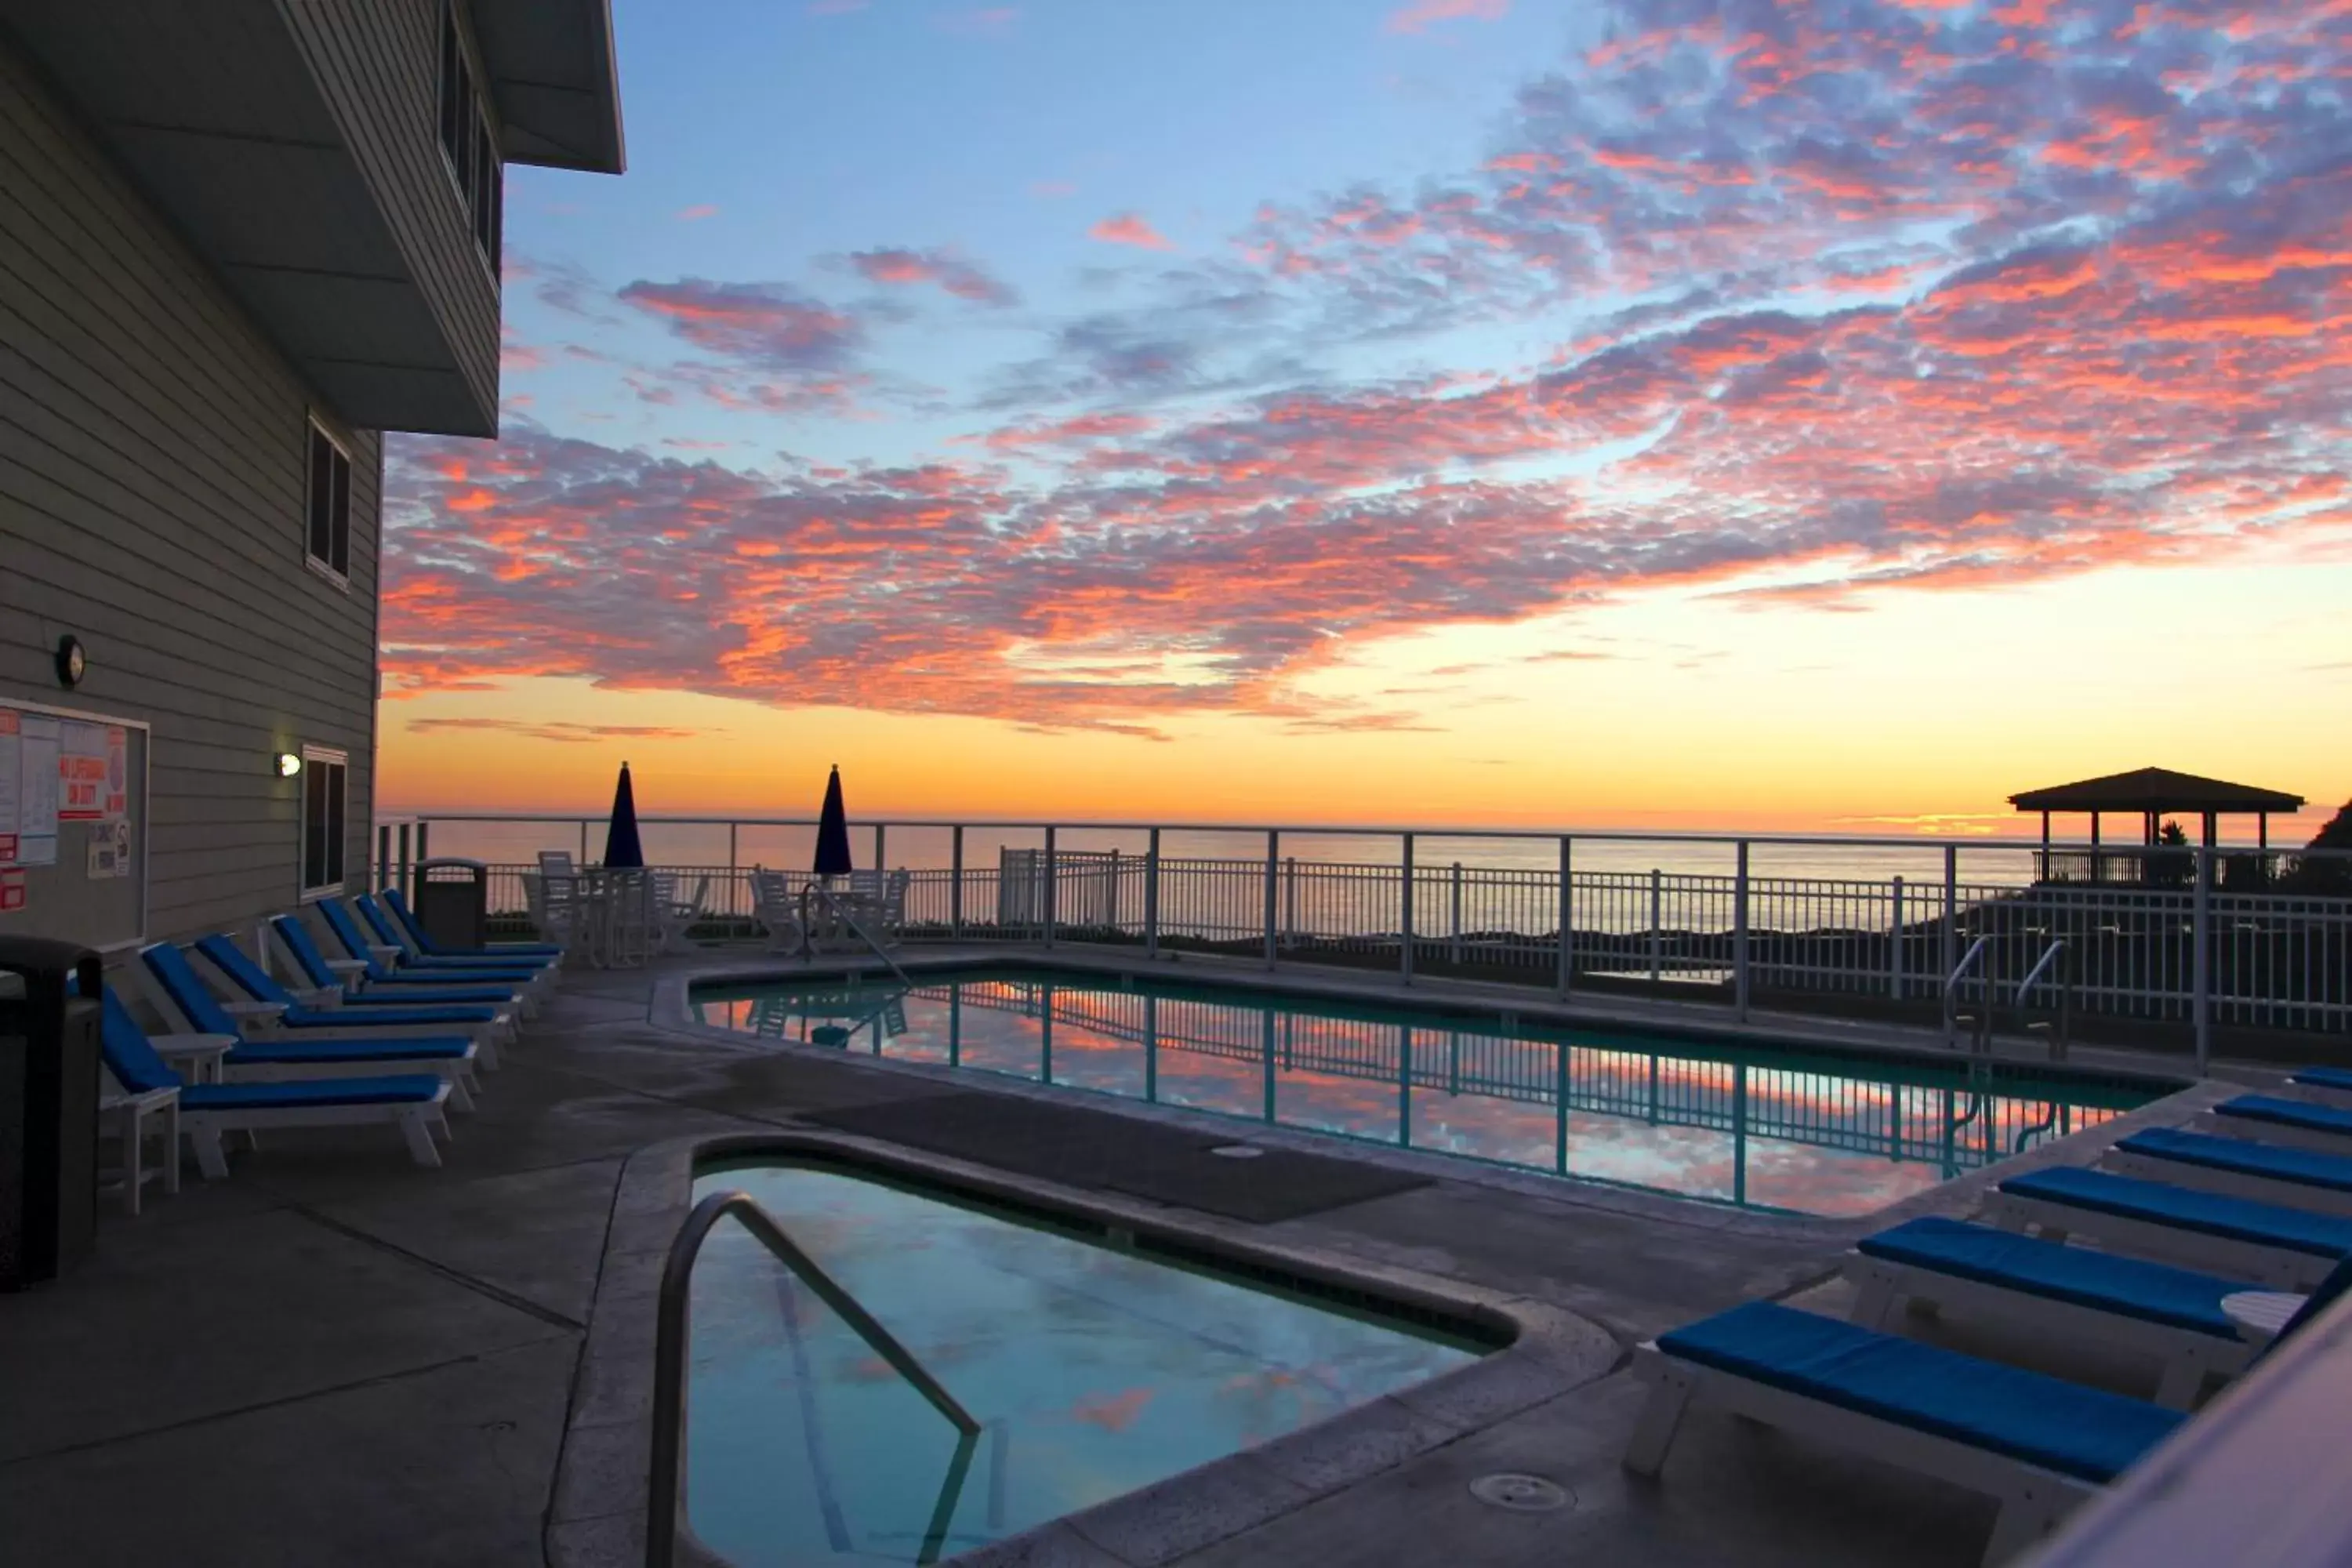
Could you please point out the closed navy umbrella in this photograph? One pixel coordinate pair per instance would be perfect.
(832, 832)
(621, 850)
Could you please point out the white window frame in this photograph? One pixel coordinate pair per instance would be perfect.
(316, 757)
(315, 429)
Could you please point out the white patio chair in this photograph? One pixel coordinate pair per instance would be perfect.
(676, 915)
(777, 907)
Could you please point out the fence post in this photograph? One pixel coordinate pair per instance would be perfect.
(400, 881)
(955, 881)
(1739, 933)
(1110, 899)
(1951, 913)
(1052, 876)
(1151, 899)
(383, 876)
(1567, 925)
(2201, 962)
(877, 847)
(584, 843)
(1454, 917)
(732, 864)
(1273, 870)
(423, 852)
(1657, 921)
(1290, 901)
(1895, 944)
(1404, 924)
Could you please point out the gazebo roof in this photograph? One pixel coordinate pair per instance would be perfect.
(2157, 789)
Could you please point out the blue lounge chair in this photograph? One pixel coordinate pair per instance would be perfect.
(2173, 1315)
(2038, 1444)
(369, 979)
(280, 1009)
(390, 957)
(2273, 1118)
(205, 1111)
(2281, 1248)
(392, 938)
(2323, 1078)
(309, 1051)
(417, 936)
(2266, 1173)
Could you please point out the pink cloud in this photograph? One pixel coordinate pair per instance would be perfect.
(1129, 228)
(696, 213)
(943, 269)
(1418, 15)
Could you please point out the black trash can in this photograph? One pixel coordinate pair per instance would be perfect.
(48, 1109)
(453, 901)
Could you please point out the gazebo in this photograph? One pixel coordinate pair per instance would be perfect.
(2156, 793)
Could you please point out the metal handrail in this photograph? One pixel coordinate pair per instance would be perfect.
(2052, 956)
(1969, 960)
(669, 1352)
(841, 912)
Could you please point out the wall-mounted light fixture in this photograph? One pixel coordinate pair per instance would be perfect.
(289, 764)
(73, 662)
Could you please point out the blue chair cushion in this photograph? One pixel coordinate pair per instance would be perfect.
(2208, 1214)
(367, 1018)
(294, 1053)
(2153, 1292)
(2324, 1077)
(2026, 1416)
(2280, 1112)
(310, 1092)
(2304, 1166)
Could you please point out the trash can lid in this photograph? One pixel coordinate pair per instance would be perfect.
(42, 955)
(458, 860)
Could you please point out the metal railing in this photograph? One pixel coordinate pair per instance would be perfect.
(2055, 963)
(1977, 959)
(1569, 909)
(669, 1366)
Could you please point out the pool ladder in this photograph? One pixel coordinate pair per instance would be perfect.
(669, 1365)
(2052, 968)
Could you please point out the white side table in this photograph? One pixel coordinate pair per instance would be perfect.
(196, 1057)
(2261, 1314)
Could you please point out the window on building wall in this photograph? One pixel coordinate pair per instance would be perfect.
(468, 143)
(327, 539)
(325, 785)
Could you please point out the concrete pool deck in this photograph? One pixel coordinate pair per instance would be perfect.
(335, 1357)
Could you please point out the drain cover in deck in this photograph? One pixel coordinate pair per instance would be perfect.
(1522, 1494)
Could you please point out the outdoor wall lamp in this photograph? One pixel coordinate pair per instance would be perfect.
(72, 661)
(289, 764)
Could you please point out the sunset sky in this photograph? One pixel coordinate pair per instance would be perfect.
(1830, 418)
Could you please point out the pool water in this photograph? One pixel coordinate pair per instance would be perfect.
(1093, 1371)
(1752, 1126)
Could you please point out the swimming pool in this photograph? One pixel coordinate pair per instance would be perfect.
(1091, 1370)
(1819, 1133)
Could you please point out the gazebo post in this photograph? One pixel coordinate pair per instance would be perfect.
(2212, 828)
(2045, 847)
(2095, 848)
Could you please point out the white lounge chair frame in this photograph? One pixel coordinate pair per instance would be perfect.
(2273, 1268)
(132, 1112)
(2256, 1131)
(2187, 1358)
(2032, 1499)
(257, 1022)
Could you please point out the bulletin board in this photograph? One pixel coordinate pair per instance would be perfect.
(73, 826)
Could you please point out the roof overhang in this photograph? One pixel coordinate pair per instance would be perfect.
(555, 79)
(218, 116)
(2158, 790)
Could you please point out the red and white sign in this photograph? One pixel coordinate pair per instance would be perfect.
(82, 773)
(12, 891)
(118, 771)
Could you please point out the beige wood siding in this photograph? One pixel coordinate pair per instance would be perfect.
(151, 463)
